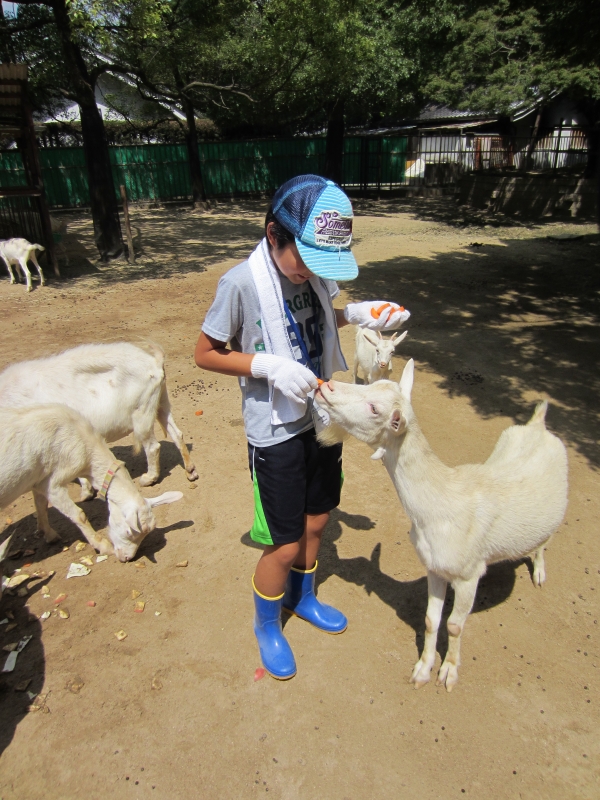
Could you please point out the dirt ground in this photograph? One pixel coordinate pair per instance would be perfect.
(502, 314)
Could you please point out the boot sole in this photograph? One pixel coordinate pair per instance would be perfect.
(331, 633)
(279, 677)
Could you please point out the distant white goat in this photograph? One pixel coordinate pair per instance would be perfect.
(20, 251)
(43, 448)
(119, 388)
(465, 517)
(374, 354)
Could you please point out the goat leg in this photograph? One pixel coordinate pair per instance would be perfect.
(165, 419)
(464, 596)
(43, 524)
(59, 497)
(437, 592)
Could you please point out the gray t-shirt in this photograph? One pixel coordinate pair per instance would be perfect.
(234, 318)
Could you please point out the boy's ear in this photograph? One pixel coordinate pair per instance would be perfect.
(397, 422)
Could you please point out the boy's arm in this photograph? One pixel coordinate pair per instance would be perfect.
(215, 356)
(340, 318)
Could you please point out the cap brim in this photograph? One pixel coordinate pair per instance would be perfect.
(333, 265)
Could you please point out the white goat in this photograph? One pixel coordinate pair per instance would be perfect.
(43, 448)
(20, 251)
(465, 517)
(119, 388)
(374, 354)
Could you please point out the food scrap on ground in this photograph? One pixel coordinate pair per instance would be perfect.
(78, 571)
(64, 613)
(10, 662)
(139, 607)
(199, 413)
(87, 560)
(91, 603)
(60, 598)
(182, 563)
(99, 559)
(259, 673)
(135, 594)
(79, 546)
(121, 635)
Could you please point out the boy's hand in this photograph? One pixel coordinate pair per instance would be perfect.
(289, 377)
(376, 315)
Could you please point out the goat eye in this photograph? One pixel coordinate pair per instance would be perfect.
(373, 408)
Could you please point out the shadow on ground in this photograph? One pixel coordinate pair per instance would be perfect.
(505, 324)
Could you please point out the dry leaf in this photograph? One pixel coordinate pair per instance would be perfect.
(17, 580)
(75, 685)
(121, 635)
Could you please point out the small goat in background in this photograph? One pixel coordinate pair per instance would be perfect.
(17, 252)
(463, 518)
(374, 354)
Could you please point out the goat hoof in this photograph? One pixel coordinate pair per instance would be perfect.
(148, 480)
(447, 676)
(192, 475)
(420, 675)
(51, 536)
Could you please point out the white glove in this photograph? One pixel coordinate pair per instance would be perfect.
(291, 378)
(376, 315)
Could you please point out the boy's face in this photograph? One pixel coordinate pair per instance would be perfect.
(288, 261)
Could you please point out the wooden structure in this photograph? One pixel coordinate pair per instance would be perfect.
(23, 209)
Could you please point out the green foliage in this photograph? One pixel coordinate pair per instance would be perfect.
(510, 53)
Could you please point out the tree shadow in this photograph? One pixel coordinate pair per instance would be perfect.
(19, 688)
(503, 324)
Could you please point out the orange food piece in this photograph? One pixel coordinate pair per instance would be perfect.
(199, 413)
(377, 312)
(259, 673)
(320, 382)
(60, 598)
(91, 603)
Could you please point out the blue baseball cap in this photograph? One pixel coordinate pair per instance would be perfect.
(320, 216)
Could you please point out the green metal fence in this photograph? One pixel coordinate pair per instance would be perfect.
(161, 172)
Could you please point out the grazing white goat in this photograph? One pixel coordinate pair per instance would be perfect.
(374, 354)
(464, 517)
(20, 251)
(43, 448)
(119, 388)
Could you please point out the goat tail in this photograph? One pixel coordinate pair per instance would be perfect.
(539, 415)
(153, 349)
(38, 247)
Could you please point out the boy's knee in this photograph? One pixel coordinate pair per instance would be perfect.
(285, 554)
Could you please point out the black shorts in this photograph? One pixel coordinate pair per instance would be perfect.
(291, 479)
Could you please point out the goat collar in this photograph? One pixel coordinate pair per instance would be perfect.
(110, 474)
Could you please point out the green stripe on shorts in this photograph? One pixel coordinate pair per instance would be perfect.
(260, 530)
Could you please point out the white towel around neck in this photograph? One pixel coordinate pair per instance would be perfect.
(274, 327)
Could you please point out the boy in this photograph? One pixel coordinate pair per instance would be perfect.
(275, 310)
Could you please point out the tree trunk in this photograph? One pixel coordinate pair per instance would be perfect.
(105, 211)
(7, 52)
(191, 140)
(334, 145)
(533, 141)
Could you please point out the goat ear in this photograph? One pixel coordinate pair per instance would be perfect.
(166, 497)
(406, 381)
(379, 453)
(370, 337)
(397, 422)
(398, 338)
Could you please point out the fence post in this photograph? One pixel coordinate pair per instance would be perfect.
(558, 140)
(130, 253)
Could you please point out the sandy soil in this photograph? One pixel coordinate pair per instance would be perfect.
(502, 315)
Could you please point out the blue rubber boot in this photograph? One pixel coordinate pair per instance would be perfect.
(275, 652)
(300, 599)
